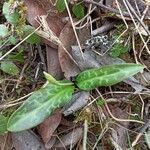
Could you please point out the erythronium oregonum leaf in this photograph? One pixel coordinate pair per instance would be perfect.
(3, 124)
(39, 106)
(106, 76)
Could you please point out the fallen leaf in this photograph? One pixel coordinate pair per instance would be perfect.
(53, 64)
(48, 127)
(69, 139)
(118, 134)
(67, 38)
(5, 142)
(27, 140)
(37, 8)
(89, 59)
(79, 100)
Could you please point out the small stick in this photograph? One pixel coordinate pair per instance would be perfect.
(141, 133)
(106, 7)
(74, 28)
(18, 44)
(103, 28)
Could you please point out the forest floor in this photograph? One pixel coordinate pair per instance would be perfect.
(59, 86)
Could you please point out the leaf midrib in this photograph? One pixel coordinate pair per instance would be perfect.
(95, 78)
(46, 103)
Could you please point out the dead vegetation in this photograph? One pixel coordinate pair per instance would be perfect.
(110, 32)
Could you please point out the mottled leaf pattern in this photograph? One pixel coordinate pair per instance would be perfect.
(106, 76)
(39, 106)
(3, 124)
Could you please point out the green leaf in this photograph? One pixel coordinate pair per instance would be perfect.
(60, 5)
(12, 40)
(3, 30)
(52, 80)
(34, 38)
(9, 67)
(118, 49)
(147, 138)
(100, 102)
(78, 11)
(106, 76)
(3, 124)
(39, 106)
(12, 18)
(16, 57)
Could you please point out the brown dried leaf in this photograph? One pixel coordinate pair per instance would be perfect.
(26, 140)
(53, 64)
(5, 142)
(118, 135)
(69, 139)
(36, 8)
(79, 100)
(48, 127)
(67, 38)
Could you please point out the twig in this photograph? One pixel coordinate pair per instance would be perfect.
(137, 17)
(85, 134)
(141, 133)
(18, 44)
(19, 99)
(117, 119)
(143, 104)
(148, 51)
(42, 57)
(133, 48)
(21, 74)
(50, 35)
(100, 136)
(68, 10)
(103, 28)
(106, 7)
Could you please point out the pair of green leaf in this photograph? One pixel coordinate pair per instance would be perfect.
(77, 9)
(56, 94)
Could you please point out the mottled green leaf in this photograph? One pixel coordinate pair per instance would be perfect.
(9, 67)
(11, 17)
(3, 30)
(39, 106)
(34, 38)
(78, 11)
(60, 5)
(106, 76)
(3, 124)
